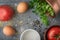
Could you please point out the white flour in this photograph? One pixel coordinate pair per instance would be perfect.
(31, 35)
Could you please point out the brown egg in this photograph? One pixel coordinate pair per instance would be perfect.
(22, 7)
(8, 31)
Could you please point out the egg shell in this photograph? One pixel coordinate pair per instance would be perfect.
(8, 31)
(22, 7)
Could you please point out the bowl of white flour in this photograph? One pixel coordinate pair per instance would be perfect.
(30, 34)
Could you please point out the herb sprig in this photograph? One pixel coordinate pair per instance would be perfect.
(40, 7)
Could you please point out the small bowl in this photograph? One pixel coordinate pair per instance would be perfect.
(55, 5)
(30, 34)
(45, 34)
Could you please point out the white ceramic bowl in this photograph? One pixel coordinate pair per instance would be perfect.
(30, 34)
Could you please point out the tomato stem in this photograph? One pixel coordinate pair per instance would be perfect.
(57, 36)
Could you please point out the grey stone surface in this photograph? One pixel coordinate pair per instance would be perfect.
(24, 21)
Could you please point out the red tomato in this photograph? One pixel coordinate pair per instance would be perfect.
(6, 12)
(54, 33)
